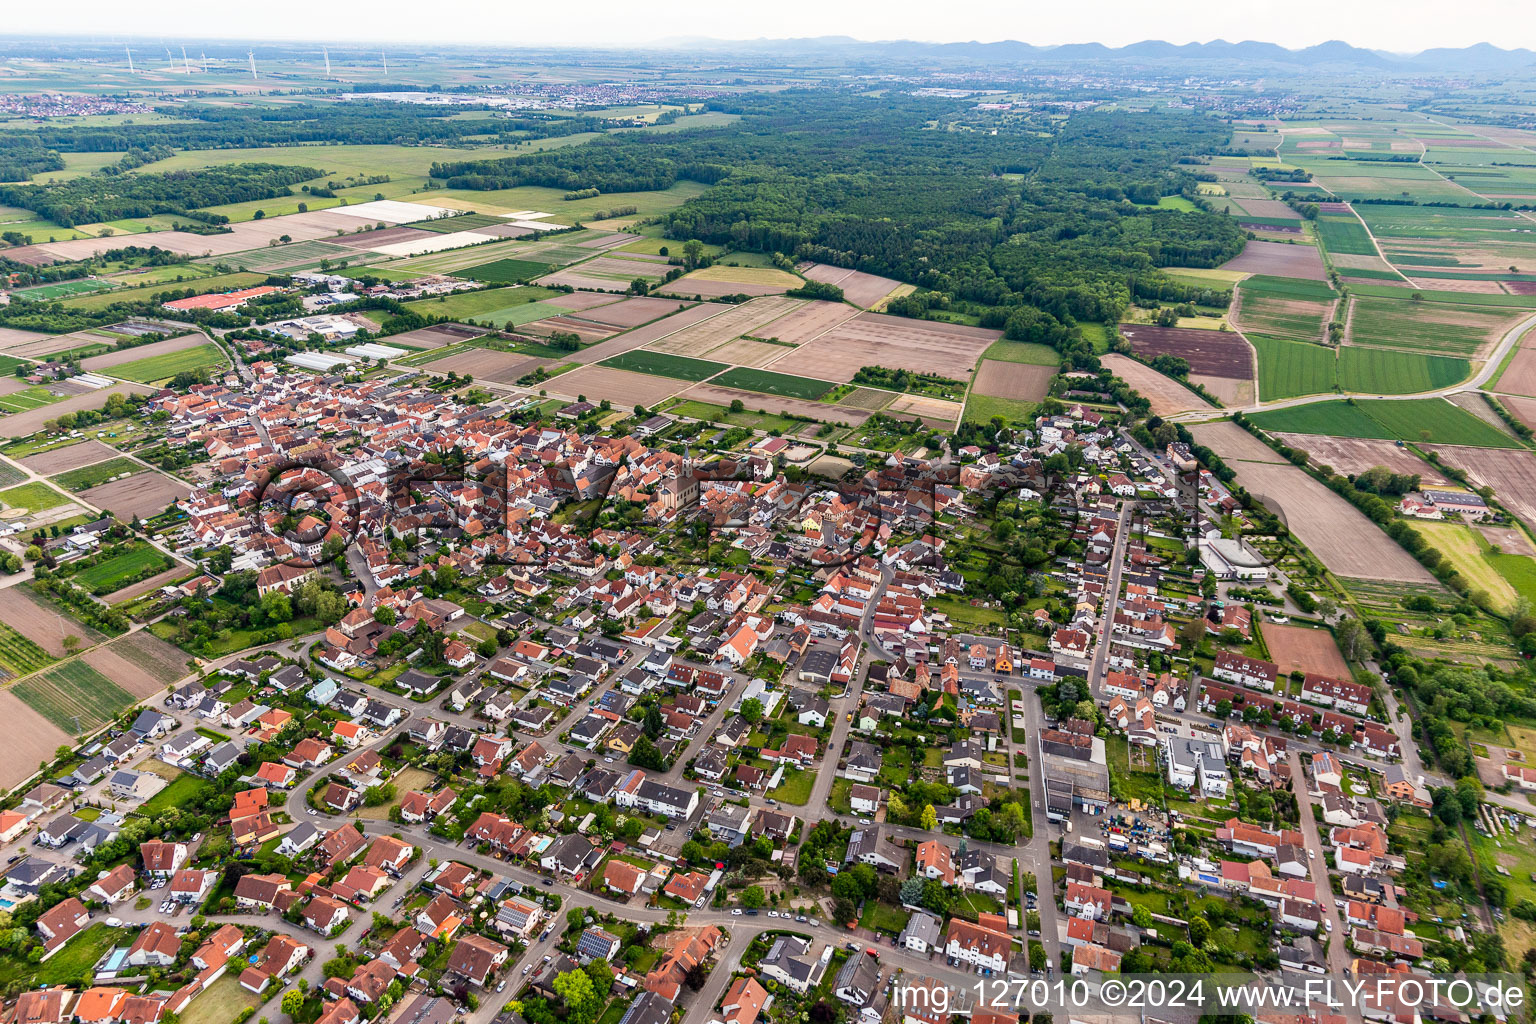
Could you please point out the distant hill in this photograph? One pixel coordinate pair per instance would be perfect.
(1482, 57)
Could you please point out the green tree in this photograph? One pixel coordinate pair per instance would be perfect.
(293, 1003)
(753, 897)
(752, 710)
(930, 819)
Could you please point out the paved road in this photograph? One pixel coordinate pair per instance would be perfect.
(1317, 856)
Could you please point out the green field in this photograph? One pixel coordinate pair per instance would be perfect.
(1385, 372)
(120, 570)
(97, 473)
(295, 255)
(1007, 351)
(74, 691)
(1458, 298)
(505, 271)
(61, 290)
(463, 222)
(18, 655)
(27, 398)
(665, 364)
(8, 365)
(489, 304)
(168, 365)
(146, 290)
(1288, 288)
(1343, 233)
(34, 496)
(981, 409)
(1286, 308)
(1440, 328)
(1431, 420)
(1290, 369)
(770, 383)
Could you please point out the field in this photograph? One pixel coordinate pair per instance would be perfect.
(484, 304)
(606, 273)
(23, 423)
(1284, 308)
(1166, 395)
(654, 331)
(439, 336)
(1216, 353)
(42, 623)
(623, 313)
(875, 339)
(18, 655)
(33, 740)
(26, 399)
(982, 408)
(487, 364)
(1231, 441)
(1346, 541)
(143, 495)
(712, 393)
(1279, 259)
(72, 693)
(1415, 419)
(1351, 455)
(114, 573)
(723, 280)
(1512, 475)
(1005, 351)
(1019, 381)
(1469, 552)
(1519, 377)
(1386, 372)
(1449, 236)
(1305, 649)
(663, 364)
(97, 473)
(33, 497)
(624, 388)
(859, 288)
(1342, 233)
(139, 662)
(809, 322)
(754, 317)
(107, 360)
(504, 272)
(1444, 328)
(769, 383)
(61, 290)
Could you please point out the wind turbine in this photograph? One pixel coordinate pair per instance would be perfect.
(251, 54)
(170, 61)
(185, 63)
(205, 63)
(386, 63)
(327, 53)
(131, 70)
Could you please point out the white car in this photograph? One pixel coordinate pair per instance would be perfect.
(736, 912)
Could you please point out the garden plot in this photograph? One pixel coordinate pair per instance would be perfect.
(1227, 390)
(624, 388)
(1166, 395)
(1231, 441)
(608, 241)
(653, 331)
(579, 302)
(748, 318)
(143, 494)
(1214, 353)
(1021, 381)
(1442, 328)
(1280, 259)
(23, 423)
(875, 339)
(1267, 208)
(859, 288)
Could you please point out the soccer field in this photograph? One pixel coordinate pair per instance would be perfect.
(61, 290)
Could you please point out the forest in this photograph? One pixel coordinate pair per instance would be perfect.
(91, 199)
(1063, 219)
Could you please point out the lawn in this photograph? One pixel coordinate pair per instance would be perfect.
(33, 497)
(222, 1002)
(968, 616)
(99, 473)
(61, 290)
(982, 408)
(880, 918)
(181, 789)
(1007, 351)
(68, 965)
(120, 570)
(665, 364)
(770, 383)
(796, 787)
(169, 364)
(27, 398)
(74, 696)
(505, 272)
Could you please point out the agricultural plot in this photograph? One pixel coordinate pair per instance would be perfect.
(769, 383)
(1346, 541)
(1463, 238)
(624, 388)
(27, 399)
(504, 272)
(1285, 308)
(487, 364)
(18, 655)
(1166, 395)
(1021, 381)
(97, 473)
(42, 623)
(1388, 372)
(654, 331)
(1355, 455)
(623, 313)
(898, 343)
(1342, 234)
(712, 393)
(294, 254)
(611, 272)
(1441, 328)
(743, 352)
(1468, 551)
(34, 497)
(1416, 419)
(74, 696)
(1279, 259)
(1290, 369)
(163, 367)
(664, 364)
(711, 282)
(751, 317)
(438, 335)
(859, 288)
(458, 222)
(1512, 475)
(931, 410)
(32, 740)
(810, 321)
(144, 495)
(1216, 353)
(121, 569)
(108, 360)
(140, 663)
(1304, 649)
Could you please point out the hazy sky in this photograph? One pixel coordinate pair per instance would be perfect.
(1402, 25)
